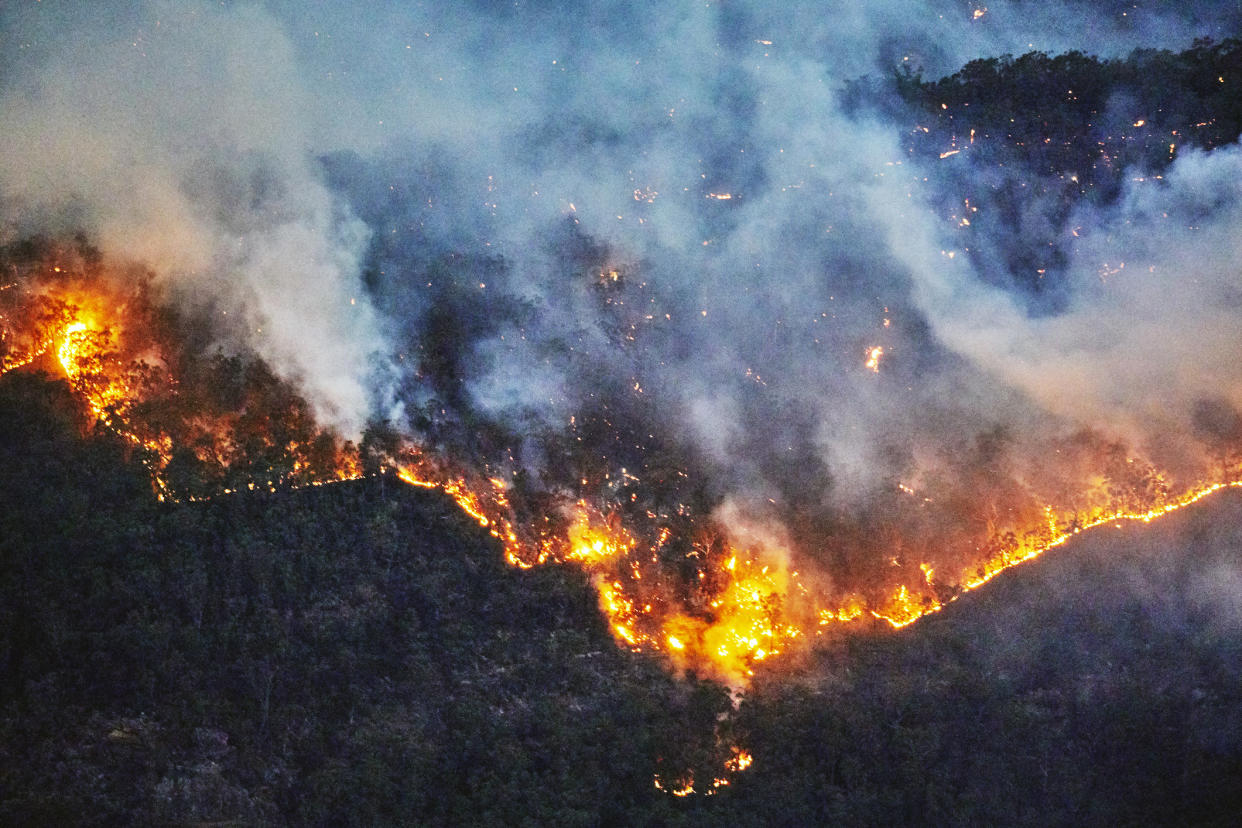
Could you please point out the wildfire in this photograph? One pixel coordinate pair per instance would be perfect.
(740, 625)
(101, 330)
(488, 507)
(738, 761)
(904, 609)
(596, 544)
(668, 582)
(749, 625)
(82, 352)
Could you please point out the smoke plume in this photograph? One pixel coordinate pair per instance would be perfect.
(660, 244)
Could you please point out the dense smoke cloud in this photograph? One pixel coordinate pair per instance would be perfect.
(1151, 331)
(180, 136)
(524, 211)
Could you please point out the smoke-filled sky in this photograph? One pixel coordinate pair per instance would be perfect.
(670, 205)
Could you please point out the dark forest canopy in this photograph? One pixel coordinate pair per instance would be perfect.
(360, 654)
(349, 654)
(1023, 142)
(1076, 101)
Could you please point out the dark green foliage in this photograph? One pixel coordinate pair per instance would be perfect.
(359, 654)
(349, 654)
(1077, 113)
(1022, 145)
(1096, 686)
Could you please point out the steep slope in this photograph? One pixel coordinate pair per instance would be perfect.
(1098, 685)
(360, 654)
(357, 653)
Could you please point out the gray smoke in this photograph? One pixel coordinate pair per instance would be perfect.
(665, 211)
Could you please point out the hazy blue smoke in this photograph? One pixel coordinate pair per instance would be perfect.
(514, 211)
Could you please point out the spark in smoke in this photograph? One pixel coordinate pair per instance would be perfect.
(873, 358)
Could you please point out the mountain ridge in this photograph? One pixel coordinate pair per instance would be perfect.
(360, 654)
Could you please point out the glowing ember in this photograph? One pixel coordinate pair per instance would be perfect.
(873, 358)
(738, 761)
(741, 760)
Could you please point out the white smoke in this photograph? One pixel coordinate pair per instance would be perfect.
(183, 141)
(497, 157)
(1153, 326)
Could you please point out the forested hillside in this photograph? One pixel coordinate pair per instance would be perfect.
(1031, 144)
(1098, 685)
(349, 654)
(360, 654)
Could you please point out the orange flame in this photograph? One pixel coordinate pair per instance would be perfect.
(731, 609)
(873, 358)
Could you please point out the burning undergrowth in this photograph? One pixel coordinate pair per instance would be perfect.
(682, 565)
(202, 419)
(765, 352)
